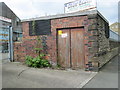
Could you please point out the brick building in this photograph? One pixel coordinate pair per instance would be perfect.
(8, 19)
(74, 40)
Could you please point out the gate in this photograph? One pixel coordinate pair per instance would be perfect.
(71, 48)
(6, 41)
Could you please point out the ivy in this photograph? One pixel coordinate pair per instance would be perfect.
(40, 60)
(33, 27)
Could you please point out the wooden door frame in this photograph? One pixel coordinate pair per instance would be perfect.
(69, 28)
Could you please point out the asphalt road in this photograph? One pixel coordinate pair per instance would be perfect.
(107, 77)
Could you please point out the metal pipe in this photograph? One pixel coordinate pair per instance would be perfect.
(11, 43)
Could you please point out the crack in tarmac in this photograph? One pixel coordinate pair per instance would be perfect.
(23, 71)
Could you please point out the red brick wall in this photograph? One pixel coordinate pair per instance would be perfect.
(94, 39)
(29, 42)
(70, 23)
(18, 53)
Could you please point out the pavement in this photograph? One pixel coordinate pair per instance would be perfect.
(4, 56)
(107, 77)
(16, 75)
(0, 73)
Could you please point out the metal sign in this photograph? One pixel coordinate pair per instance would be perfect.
(80, 5)
(64, 35)
(5, 19)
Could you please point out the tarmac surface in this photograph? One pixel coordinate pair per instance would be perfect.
(107, 77)
(4, 56)
(16, 75)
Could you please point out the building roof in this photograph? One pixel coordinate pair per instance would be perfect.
(81, 13)
(5, 9)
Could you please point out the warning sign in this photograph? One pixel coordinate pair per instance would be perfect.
(59, 32)
(64, 35)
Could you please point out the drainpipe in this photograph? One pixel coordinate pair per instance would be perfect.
(10, 43)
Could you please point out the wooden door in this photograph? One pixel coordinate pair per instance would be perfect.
(77, 48)
(71, 48)
(64, 48)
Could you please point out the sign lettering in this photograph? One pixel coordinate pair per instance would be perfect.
(80, 5)
(5, 19)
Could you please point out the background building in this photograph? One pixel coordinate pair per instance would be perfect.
(8, 20)
(115, 27)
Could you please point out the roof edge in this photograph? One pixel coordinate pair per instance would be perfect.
(62, 15)
(3, 3)
(66, 15)
(102, 16)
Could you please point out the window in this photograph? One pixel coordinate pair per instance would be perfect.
(39, 27)
(107, 30)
